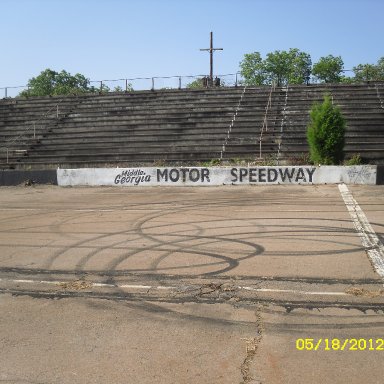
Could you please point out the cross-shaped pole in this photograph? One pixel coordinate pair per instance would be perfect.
(211, 50)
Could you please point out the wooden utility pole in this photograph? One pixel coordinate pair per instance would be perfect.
(211, 50)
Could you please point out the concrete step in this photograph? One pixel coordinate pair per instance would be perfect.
(122, 156)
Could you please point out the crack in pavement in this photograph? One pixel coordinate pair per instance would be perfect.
(251, 347)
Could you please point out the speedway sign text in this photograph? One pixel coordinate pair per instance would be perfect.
(202, 176)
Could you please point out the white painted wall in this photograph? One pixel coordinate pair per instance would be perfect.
(200, 176)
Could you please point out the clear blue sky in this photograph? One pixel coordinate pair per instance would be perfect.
(108, 39)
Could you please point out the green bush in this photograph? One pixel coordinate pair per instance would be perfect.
(325, 133)
(211, 163)
(354, 160)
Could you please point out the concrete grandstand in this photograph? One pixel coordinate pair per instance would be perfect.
(187, 126)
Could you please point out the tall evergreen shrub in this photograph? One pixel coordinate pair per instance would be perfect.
(325, 133)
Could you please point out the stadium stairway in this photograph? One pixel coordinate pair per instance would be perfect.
(185, 126)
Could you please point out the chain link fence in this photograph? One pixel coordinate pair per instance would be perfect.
(144, 83)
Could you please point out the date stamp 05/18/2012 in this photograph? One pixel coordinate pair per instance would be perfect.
(335, 344)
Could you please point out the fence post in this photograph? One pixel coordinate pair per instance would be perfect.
(179, 82)
(153, 84)
(126, 85)
(6, 92)
(57, 111)
(236, 80)
(101, 86)
(7, 155)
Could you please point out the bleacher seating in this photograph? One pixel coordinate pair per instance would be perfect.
(359, 104)
(187, 126)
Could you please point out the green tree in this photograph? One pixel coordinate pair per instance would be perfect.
(288, 67)
(50, 82)
(197, 83)
(282, 67)
(380, 65)
(325, 133)
(329, 69)
(252, 69)
(365, 72)
(369, 72)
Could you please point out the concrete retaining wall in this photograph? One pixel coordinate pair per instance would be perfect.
(15, 177)
(198, 176)
(380, 175)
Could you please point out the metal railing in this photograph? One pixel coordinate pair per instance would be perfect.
(8, 145)
(6, 90)
(280, 140)
(265, 120)
(153, 82)
(232, 124)
(162, 82)
(140, 83)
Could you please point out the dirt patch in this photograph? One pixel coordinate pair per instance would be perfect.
(77, 285)
(362, 292)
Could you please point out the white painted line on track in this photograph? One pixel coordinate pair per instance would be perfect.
(162, 287)
(320, 293)
(55, 210)
(32, 281)
(372, 244)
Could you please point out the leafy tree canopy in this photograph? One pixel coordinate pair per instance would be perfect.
(253, 69)
(288, 67)
(295, 67)
(282, 67)
(197, 83)
(329, 69)
(369, 72)
(50, 82)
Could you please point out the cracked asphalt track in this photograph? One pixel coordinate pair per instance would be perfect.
(186, 285)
